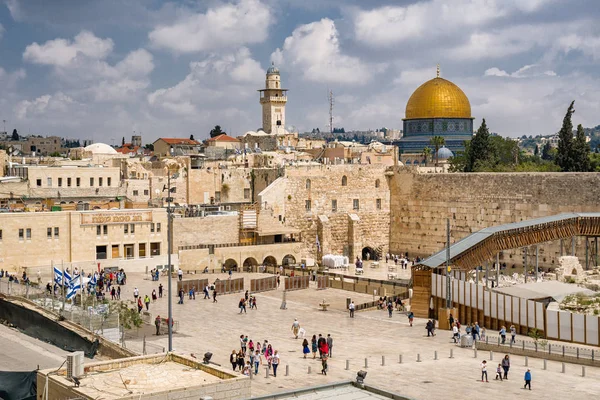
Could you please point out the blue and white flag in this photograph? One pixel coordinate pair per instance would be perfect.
(74, 286)
(58, 276)
(66, 279)
(93, 280)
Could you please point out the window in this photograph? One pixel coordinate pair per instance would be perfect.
(155, 249)
(217, 197)
(21, 234)
(78, 182)
(126, 228)
(344, 180)
(142, 250)
(158, 227)
(49, 233)
(246, 193)
(307, 205)
(152, 227)
(98, 230)
(174, 189)
(355, 204)
(59, 182)
(69, 182)
(49, 182)
(0, 235)
(146, 192)
(377, 183)
(28, 233)
(99, 181)
(378, 204)
(56, 231)
(38, 182)
(334, 205)
(135, 192)
(91, 181)
(108, 181)
(105, 229)
(132, 228)
(308, 184)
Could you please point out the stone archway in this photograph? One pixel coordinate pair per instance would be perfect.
(369, 254)
(270, 261)
(288, 260)
(230, 264)
(250, 264)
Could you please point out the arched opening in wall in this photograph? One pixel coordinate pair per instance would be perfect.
(288, 260)
(308, 183)
(230, 265)
(377, 183)
(344, 180)
(270, 261)
(369, 254)
(407, 162)
(250, 264)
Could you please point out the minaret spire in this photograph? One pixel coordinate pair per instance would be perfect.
(438, 71)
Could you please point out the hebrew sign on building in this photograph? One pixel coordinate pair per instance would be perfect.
(116, 217)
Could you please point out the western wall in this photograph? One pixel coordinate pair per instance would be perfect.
(421, 203)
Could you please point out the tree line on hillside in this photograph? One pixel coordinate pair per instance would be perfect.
(491, 153)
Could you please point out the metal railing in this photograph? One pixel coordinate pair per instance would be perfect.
(544, 347)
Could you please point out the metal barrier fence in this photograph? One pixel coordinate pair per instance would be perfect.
(263, 284)
(544, 347)
(297, 282)
(322, 282)
(19, 289)
(187, 284)
(229, 286)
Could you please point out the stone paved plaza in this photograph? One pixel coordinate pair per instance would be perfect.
(216, 327)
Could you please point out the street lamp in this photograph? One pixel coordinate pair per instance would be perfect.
(169, 251)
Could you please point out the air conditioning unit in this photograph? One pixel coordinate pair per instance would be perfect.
(227, 208)
(75, 364)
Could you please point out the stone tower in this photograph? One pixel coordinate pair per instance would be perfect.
(273, 99)
(136, 140)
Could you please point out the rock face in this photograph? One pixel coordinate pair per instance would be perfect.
(569, 269)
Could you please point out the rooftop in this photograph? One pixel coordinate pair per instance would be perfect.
(179, 141)
(223, 138)
(345, 390)
(543, 290)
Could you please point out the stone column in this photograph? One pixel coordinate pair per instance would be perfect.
(324, 233)
(354, 237)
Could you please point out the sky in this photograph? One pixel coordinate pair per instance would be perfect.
(103, 70)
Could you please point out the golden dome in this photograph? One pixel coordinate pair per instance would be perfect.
(438, 98)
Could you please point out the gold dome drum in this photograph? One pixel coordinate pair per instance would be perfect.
(438, 98)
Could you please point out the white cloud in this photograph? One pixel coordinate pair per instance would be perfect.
(527, 71)
(390, 25)
(588, 45)
(496, 72)
(227, 25)
(62, 52)
(58, 102)
(314, 51)
(229, 77)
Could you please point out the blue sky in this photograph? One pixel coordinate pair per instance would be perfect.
(103, 69)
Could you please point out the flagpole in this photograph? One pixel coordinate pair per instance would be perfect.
(62, 263)
(53, 280)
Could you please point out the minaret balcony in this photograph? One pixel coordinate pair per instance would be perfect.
(271, 99)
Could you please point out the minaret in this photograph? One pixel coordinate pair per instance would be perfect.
(273, 99)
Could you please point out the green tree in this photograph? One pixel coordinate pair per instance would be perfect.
(536, 152)
(192, 137)
(480, 151)
(564, 157)
(15, 135)
(149, 146)
(123, 141)
(437, 142)
(216, 131)
(581, 151)
(427, 153)
(547, 152)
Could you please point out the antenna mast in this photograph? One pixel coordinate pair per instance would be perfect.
(331, 102)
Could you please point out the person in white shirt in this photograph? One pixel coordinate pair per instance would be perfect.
(455, 333)
(180, 274)
(351, 308)
(484, 371)
(136, 293)
(275, 362)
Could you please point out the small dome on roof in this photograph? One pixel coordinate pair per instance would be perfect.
(444, 153)
(273, 69)
(100, 148)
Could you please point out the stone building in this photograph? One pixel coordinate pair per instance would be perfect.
(164, 147)
(273, 99)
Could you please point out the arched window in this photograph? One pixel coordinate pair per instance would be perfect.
(344, 180)
(308, 183)
(377, 183)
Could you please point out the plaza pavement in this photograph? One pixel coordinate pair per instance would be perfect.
(216, 327)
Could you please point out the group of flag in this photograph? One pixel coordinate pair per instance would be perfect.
(73, 284)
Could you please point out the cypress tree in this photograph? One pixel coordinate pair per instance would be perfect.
(480, 150)
(564, 157)
(581, 152)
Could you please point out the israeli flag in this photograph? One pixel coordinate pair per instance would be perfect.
(74, 286)
(58, 276)
(66, 279)
(93, 280)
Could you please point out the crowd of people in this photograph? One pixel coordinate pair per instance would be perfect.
(252, 355)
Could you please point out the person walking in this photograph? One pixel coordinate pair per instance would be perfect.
(192, 293)
(305, 349)
(240, 360)
(147, 302)
(314, 346)
(429, 327)
(351, 308)
(160, 290)
(503, 333)
(139, 305)
(324, 364)
(450, 321)
(506, 366)
(180, 296)
(113, 293)
(233, 359)
(330, 345)
(180, 274)
(215, 295)
(527, 379)
(455, 333)
(513, 334)
(242, 305)
(119, 293)
(153, 295)
(136, 293)
(390, 307)
(410, 316)
(296, 327)
(484, 371)
(275, 359)
(206, 294)
(499, 372)
(257, 360)
(157, 324)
